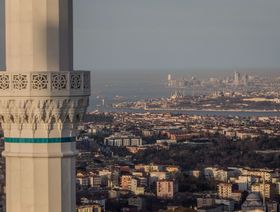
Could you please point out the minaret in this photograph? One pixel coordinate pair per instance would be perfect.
(41, 101)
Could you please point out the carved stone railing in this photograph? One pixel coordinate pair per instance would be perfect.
(44, 84)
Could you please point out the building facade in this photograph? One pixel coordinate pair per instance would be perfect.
(123, 140)
(166, 189)
(224, 190)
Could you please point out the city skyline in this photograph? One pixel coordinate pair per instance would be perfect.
(192, 37)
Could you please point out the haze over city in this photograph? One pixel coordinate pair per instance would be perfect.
(189, 37)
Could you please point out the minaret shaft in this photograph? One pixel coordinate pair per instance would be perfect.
(39, 35)
(41, 101)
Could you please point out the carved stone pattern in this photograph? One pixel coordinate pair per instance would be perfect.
(4, 82)
(76, 81)
(44, 111)
(86, 81)
(20, 81)
(59, 81)
(39, 81)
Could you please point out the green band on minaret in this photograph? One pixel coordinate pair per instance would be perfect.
(40, 140)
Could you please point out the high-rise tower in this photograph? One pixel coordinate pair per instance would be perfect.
(237, 78)
(41, 101)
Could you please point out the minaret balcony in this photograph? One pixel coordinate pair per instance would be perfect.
(45, 84)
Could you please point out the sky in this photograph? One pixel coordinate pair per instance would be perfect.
(114, 36)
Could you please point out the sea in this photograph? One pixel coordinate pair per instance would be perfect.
(106, 92)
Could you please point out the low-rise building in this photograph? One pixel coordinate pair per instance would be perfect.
(225, 190)
(136, 188)
(138, 202)
(90, 208)
(123, 139)
(266, 190)
(82, 180)
(166, 189)
(216, 174)
(244, 182)
(204, 202)
(272, 206)
(155, 176)
(126, 182)
(94, 181)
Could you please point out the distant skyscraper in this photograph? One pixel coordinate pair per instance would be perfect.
(42, 100)
(245, 79)
(237, 78)
(169, 78)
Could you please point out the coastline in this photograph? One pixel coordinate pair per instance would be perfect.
(211, 112)
(205, 110)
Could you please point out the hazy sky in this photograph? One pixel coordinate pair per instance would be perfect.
(175, 35)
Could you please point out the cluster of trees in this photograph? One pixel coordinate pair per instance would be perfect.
(224, 154)
(99, 118)
(192, 184)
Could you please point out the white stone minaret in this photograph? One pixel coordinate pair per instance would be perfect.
(41, 101)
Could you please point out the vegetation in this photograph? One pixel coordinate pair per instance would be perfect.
(99, 118)
(224, 154)
(192, 184)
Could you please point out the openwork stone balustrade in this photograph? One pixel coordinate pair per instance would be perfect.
(56, 83)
